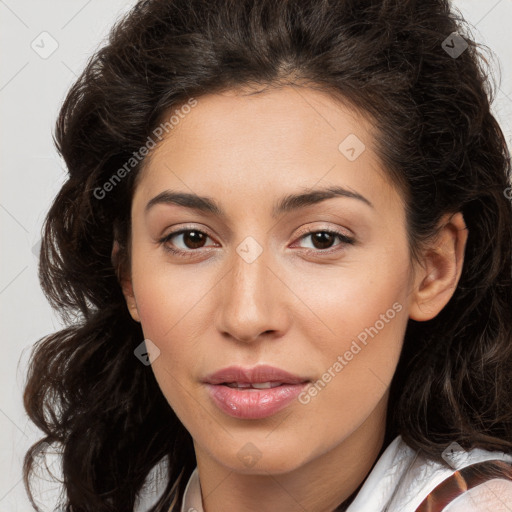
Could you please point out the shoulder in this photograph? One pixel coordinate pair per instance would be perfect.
(477, 480)
(492, 496)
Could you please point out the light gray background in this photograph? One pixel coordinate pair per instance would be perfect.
(31, 173)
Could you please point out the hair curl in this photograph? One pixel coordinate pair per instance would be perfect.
(437, 139)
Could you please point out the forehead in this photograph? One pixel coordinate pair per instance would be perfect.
(271, 141)
(277, 119)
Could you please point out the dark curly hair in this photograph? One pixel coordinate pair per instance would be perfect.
(437, 140)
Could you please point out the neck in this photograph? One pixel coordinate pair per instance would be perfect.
(327, 483)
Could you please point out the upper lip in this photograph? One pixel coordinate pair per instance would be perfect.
(257, 374)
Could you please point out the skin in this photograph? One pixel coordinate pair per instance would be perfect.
(294, 306)
(491, 496)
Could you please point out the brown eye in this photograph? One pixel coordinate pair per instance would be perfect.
(193, 239)
(324, 240)
(185, 241)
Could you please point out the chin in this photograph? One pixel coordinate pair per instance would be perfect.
(253, 459)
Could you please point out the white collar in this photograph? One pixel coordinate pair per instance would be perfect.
(399, 480)
(397, 455)
(192, 496)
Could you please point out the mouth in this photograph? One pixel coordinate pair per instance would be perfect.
(253, 393)
(254, 385)
(261, 377)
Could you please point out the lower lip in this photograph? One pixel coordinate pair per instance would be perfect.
(253, 404)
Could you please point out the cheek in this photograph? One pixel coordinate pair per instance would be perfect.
(167, 319)
(167, 295)
(356, 336)
(173, 305)
(342, 304)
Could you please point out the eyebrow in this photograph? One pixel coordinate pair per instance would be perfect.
(286, 204)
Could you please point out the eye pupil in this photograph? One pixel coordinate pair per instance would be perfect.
(191, 235)
(323, 237)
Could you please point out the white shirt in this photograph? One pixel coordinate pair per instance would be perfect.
(401, 479)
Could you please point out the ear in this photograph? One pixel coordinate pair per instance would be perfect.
(438, 274)
(125, 280)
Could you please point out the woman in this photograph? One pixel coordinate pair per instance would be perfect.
(286, 243)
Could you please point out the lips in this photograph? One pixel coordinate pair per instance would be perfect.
(253, 393)
(254, 385)
(257, 375)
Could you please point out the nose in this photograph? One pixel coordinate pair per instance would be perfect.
(251, 302)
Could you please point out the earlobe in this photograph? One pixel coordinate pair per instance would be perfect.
(129, 296)
(125, 281)
(442, 261)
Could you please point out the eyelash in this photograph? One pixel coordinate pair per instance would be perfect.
(345, 240)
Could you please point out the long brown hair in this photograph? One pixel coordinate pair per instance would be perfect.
(437, 140)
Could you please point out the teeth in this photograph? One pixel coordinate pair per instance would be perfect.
(265, 385)
(256, 385)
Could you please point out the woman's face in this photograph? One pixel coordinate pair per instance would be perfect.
(258, 280)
